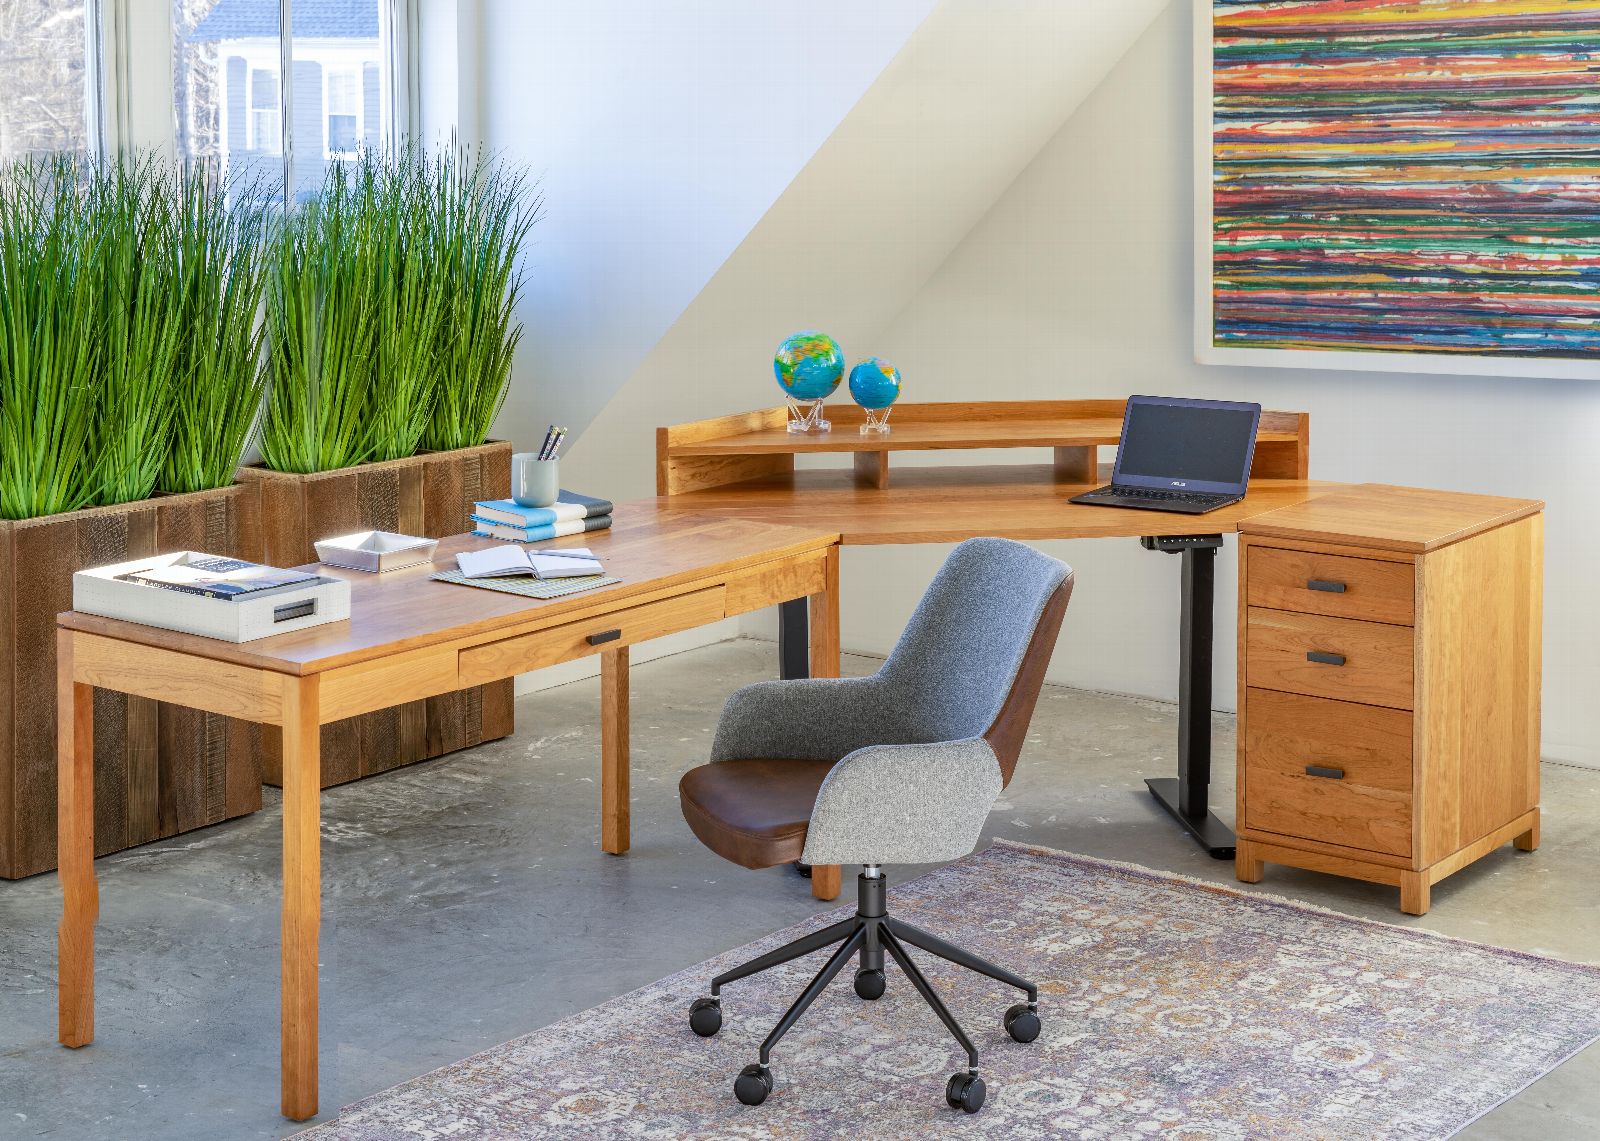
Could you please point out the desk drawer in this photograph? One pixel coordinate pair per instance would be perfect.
(1368, 662)
(1359, 794)
(1336, 585)
(496, 660)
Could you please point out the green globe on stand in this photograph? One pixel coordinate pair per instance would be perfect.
(809, 365)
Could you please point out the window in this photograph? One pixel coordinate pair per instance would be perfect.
(47, 88)
(266, 125)
(234, 91)
(344, 112)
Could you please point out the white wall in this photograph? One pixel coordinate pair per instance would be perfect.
(1077, 284)
(663, 131)
(961, 110)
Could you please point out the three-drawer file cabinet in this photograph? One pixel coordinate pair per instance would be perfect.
(1389, 648)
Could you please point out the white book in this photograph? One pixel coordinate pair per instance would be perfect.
(499, 562)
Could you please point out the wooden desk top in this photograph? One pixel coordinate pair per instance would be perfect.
(652, 551)
(949, 504)
(1375, 515)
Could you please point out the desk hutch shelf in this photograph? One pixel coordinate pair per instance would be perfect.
(758, 445)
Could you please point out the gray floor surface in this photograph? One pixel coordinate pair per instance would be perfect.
(467, 902)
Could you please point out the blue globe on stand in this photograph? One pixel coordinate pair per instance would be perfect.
(875, 385)
(808, 367)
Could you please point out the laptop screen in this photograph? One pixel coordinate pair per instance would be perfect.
(1199, 445)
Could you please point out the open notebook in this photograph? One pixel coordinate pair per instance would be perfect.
(507, 561)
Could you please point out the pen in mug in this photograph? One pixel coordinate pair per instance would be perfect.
(544, 448)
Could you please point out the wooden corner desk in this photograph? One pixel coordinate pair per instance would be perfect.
(1405, 755)
(410, 638)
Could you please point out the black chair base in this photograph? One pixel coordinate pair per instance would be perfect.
(870, 934)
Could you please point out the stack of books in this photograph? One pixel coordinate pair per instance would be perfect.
(572, 515)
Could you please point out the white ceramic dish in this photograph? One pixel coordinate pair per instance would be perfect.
(376, 551)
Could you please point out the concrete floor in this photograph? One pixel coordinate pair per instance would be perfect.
(467, 903)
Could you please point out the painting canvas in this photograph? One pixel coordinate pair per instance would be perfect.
(1400, 184)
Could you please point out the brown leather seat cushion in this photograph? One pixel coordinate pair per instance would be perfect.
(754, 812)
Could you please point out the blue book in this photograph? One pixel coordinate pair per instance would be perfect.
(569, 506)
(489, 529)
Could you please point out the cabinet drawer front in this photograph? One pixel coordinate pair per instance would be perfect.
(1336, 585)
(1366, 662)
(1362, 800)
(496, 660)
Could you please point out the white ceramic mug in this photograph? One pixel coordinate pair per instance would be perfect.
(534, 482)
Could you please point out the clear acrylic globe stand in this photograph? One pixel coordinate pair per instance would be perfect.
(806, 416)
(877, 422)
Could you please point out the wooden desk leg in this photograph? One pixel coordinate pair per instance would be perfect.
(302, 892)
(75, 851)
(825, 663)
(614, 774)
(1529, 840)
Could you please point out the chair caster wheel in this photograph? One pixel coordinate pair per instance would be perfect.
(869, 984)
(1022, 1023)
(965, 1092)
(705, 1016)
(753, 1084)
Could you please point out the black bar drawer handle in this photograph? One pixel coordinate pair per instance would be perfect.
(1324, 771)
(604, 636)
(292, 610)
(1324, 659)
(1325, 584)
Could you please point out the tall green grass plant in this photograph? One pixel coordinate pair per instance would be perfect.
(50, 348)
(220, 235)
(390, 309)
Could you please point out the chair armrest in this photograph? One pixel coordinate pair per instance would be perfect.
(807, 718)
(904, 804)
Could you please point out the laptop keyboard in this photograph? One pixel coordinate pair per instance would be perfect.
(1165, 496)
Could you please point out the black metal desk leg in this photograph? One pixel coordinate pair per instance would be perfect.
(1186, 796)
(794, 655)
(794, 638)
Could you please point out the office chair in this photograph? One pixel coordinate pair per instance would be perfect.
(899, 767)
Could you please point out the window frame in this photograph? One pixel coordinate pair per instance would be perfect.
(133, 104)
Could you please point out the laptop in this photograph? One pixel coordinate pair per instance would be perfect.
(1188, 456)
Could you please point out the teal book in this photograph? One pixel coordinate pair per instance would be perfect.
(569, 506)
(488, 528)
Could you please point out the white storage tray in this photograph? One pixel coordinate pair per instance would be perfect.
(282, 611)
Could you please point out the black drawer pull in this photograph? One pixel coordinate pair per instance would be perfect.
(1325, 584)
(1324, 771)
(1324, 659)
(604, 636)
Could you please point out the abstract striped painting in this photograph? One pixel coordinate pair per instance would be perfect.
(1407, 176)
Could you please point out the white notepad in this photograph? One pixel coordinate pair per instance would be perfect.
(500, 562)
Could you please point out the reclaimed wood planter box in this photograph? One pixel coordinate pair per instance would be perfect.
(159, 769)
(429, 495)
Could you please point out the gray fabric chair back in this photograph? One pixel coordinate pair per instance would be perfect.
(957, 658)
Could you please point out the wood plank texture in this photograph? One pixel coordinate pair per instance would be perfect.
(825, 878)
(1368, 807)
(615, 774)
(80, 894)
(1377, 668)
(949, 504)
(302, 896)
(159, 769)
(1479, 657)
(1373, 590)
(1393, 518)
(1073, 429)
(656, 553)
(429, 494)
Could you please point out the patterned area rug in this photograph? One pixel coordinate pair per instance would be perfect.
(1171, 1008)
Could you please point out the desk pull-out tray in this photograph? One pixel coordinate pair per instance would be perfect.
(496, 660)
